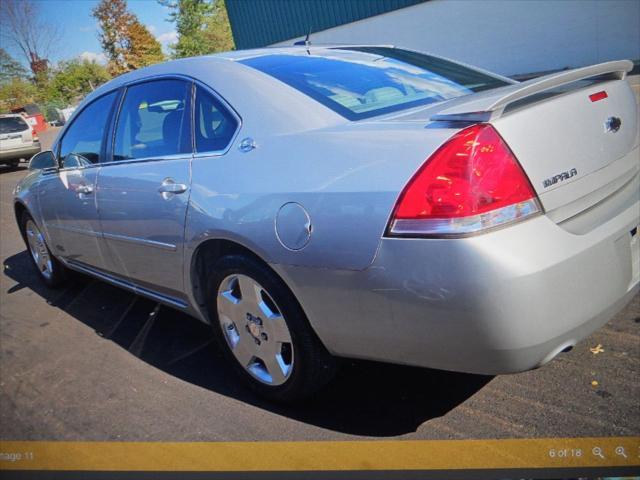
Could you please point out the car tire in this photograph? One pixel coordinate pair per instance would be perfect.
(50, 269)
(264, 332)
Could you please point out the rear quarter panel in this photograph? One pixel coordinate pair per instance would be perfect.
(347, 177)
(25, 194)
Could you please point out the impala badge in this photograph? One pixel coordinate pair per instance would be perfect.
(561, 177)
(612, 124)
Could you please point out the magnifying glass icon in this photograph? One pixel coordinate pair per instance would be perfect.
(620, 451)
(597, 452)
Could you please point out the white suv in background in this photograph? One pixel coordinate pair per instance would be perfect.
(17, 140)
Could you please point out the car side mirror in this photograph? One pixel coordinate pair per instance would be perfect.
(43, 160)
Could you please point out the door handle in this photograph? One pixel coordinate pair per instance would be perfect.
(85, 189)
(173, 188)
(169, 188)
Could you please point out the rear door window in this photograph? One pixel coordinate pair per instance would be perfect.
(154, 121)
(82, 142)
(215, 124)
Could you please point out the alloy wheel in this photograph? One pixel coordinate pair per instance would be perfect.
(255, 329)
(38, 250)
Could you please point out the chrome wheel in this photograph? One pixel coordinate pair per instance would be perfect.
(38, 250)
(255, 329)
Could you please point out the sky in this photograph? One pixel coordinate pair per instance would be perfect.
(80, 31)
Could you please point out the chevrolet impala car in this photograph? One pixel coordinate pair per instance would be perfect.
(311, 203)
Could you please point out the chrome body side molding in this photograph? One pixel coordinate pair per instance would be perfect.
(170, 301)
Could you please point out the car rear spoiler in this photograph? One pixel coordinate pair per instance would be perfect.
(490, 105)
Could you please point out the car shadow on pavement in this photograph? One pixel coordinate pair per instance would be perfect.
(366, 398)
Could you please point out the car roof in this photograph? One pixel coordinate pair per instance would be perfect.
(333, 48)
(193, 64)
(229, 68)
(232, 81)
(254, 95)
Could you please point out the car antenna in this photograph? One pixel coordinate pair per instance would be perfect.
(306, 42)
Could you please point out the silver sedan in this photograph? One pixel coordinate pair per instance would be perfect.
(17, 140)
(355, 201)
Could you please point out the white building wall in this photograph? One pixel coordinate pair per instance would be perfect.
(505, 36)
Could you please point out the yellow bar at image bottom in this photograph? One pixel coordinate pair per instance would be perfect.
(326, 456)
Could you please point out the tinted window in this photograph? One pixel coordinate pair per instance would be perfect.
(361, 82)
(215, 125)
(153, 121)
(12, 125)
(82, 142)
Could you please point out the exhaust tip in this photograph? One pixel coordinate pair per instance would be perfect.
(565, 347)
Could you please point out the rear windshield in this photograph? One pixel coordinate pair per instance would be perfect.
(12, 124)
(361, 82)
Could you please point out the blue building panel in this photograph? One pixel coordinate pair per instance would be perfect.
(257, 23)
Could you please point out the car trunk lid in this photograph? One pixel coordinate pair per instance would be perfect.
(576, 143)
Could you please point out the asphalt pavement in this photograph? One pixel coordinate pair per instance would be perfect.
(92, 362)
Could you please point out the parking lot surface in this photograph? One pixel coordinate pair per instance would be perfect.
(92, 362)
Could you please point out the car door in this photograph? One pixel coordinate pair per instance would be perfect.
(143, 190)
(67, 194)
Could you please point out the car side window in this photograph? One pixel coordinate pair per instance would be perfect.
(82, 142)
(154, 121)
(215, 125)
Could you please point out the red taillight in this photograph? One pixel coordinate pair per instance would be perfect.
(594, 97)
(34, 135)
(470, 183)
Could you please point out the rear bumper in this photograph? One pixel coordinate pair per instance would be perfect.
(501, 302)
(21, 152)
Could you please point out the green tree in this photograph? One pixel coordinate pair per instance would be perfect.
(66, 84)
(71, 80)
(202, 26)
(125, 41)
(10, 68)
(190, 19)
(218, 30)
(16, 92)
